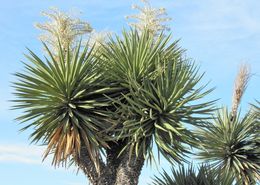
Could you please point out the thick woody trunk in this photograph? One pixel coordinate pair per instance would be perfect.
(116, 171)
(87, 166)
(112, 162)
(129, 171)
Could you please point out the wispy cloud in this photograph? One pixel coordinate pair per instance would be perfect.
(18, 153)
(29, 155)
(218, 20)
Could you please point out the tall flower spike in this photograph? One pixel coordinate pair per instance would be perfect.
(62, 27)
(149, 18)
(241, 82)
(96, 39)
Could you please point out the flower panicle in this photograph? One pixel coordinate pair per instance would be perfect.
(97, 38)
(152, 19)
(62, 27)
(240, 86)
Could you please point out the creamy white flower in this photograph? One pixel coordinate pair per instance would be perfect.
(152, 19)
(62, 27)
(96, 39)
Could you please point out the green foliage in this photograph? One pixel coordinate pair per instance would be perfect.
(136, 88)
(63, 99)
(232, 144)
(135, 56)
(204, 176)
(160, 97)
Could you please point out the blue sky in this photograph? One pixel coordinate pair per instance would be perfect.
(218, 35)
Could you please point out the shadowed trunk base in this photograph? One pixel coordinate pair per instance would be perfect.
(116, 171)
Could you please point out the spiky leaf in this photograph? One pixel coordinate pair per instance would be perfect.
(232, 143)
(64, 102)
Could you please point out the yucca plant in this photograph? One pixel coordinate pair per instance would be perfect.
(232, 145)
(104, 108)
(231, 142)
(204, 175)
(139, 91)
(159, 98)
(64, 101)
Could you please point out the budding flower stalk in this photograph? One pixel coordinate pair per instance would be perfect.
(241, 82)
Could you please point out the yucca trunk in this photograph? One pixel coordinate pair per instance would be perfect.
(116, 171)
(128, 172)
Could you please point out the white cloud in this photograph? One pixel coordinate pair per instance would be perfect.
(18, 159)
(18, 153)
(30, 155)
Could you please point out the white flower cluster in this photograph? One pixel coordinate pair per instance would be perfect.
(96, 39)
(62, 27)
(150, 18)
